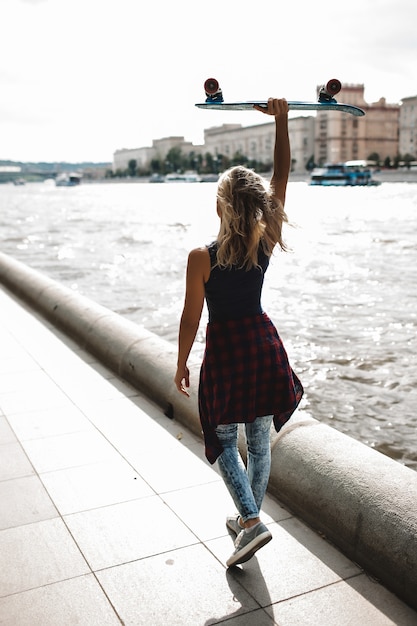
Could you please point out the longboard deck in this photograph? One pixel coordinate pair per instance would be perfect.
(248, 105)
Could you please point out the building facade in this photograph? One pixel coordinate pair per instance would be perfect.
(408, 127)
(343, 137)
(121, 158)
(144, 156)
(302, 134)
(230, 140)
(257, 142)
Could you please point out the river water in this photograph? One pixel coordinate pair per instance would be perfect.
(344, 299)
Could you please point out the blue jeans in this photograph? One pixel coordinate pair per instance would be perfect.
(247, 486)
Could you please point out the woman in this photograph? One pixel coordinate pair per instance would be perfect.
(245, 375)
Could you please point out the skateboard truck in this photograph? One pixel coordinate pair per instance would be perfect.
(326, 93)
(329, 90)
(213, 90)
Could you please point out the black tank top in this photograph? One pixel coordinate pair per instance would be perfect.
(234, 293)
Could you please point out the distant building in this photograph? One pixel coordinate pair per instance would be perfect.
(161, 147)
(408, 127)
(343, 137)
(144, 156)
(121, 157)
(10, 169)
(227, 140)
(302, 133)
(257, 142)
(9, 173)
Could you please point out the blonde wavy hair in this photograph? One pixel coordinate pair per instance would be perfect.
(250, 216)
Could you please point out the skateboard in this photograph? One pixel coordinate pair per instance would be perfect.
(326, 101)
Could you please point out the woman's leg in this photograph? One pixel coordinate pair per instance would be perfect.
(259, 456)
(234, 473)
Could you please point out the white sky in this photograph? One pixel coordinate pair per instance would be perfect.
(82, 78)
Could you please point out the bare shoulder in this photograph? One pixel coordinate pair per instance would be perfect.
(200, 253)
(199, 260)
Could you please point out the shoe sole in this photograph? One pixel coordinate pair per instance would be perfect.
(249, 550)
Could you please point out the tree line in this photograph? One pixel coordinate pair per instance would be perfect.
(176, 161)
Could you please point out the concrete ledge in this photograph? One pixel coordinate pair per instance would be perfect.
(361, 500)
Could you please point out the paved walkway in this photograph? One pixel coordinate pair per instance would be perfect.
(109, 513)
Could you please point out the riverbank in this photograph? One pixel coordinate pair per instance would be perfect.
(387, 176)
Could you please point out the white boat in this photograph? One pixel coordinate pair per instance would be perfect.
(68, 180)
(157, 178)
(188, 177)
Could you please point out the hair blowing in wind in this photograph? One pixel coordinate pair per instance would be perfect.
(250, 215)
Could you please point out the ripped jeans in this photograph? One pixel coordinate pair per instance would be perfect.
(247, 486)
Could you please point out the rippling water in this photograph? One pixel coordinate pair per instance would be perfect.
(344, 300)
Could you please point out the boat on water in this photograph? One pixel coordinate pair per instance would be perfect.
(188, 177)
(157, 178)
(68, 179)
(348, 174)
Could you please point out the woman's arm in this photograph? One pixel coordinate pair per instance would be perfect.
(198, 272)
(278, 107)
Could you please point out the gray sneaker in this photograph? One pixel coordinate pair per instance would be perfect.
(247, 543)
(232, 524)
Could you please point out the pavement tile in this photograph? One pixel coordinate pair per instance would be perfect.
(70, 450)
(47, 396)
(187, 585)
(252, 618)
(13, 461)
(18, 361)
(81, 382)
(32, 381)
(286, 567)
(117, 417)
(162, 460)
(272, 508)
(319, 547)
(89, 487)
(76, 601)
(24, 501)
(120, 419)
(195, 507)
(180, 469)
(38, 554)
(6, 433)
(129, 531)
(176, 430)
(10, 346)
(356, 601)
(49, 422)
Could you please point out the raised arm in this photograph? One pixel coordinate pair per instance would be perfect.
(278, 107)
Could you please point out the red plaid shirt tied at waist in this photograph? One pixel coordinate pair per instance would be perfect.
(245, 372)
